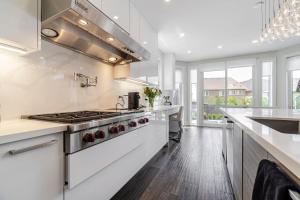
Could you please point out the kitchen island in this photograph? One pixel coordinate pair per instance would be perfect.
(254, 138)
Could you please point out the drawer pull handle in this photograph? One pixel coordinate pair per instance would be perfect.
(26, 149)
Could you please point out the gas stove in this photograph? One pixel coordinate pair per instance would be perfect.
(75, 117)
(89, 128)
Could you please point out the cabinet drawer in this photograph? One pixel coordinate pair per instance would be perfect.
(253, 154)
(84, 164)
(35, 165)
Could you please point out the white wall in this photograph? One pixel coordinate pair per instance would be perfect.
(43, 82)
(168, 71)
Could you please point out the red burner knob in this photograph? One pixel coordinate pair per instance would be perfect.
(141, 121)
(121, 128)
(132, 124)
(100, 134)
(114, 130)
(146, 120)
(89, 137)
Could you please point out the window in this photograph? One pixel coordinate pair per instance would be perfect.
(214, 90)
(296, 89)
(267, 84)
(179, 86)
(239, 86)
(194, 107)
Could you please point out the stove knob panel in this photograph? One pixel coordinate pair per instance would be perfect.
(121, 128)
(146, 120)
(89, 137)
(100, 134)
(114, 130)
(132, 124)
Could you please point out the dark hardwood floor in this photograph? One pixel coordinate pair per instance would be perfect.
(191, 170)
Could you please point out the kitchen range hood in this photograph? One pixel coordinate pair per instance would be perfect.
(80, 26)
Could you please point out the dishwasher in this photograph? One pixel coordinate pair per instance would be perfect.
(227, 144)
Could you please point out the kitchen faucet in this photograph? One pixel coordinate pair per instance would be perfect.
(121, 104)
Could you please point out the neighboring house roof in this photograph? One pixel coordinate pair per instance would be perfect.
(219, 84)
(248, 84)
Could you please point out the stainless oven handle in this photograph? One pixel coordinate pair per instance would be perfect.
(26, 149)
(294, 195)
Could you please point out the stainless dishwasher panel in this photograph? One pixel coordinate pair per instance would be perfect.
(229, 148)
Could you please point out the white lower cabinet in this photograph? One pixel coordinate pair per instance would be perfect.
(109, 166)
(34, 170)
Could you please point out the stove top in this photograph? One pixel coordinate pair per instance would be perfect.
(75, 117)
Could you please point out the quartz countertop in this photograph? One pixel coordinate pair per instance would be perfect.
(162, 108)
(284, 147)
(20, 129)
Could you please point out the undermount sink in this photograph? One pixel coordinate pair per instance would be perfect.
(283, 126)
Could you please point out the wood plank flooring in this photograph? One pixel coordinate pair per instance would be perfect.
(191, 170)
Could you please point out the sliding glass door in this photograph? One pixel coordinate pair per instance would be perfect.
(213, 96)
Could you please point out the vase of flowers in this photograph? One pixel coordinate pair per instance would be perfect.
(151, 93)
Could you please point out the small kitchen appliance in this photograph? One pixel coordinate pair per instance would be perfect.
(133, 100)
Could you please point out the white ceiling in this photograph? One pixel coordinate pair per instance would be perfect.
(207, 24)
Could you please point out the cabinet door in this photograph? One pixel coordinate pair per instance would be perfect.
(20, 21)
(134, 23)
(253, 153)
(96, 3)
(36, 174)
(118, 10)
(238, 162)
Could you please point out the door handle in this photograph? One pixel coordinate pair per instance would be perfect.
(31, 148)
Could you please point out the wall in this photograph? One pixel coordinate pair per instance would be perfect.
(43, 82)
(168, 71)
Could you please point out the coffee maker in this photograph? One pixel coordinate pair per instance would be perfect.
(133, 100)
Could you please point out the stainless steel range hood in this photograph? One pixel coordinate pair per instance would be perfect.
(78, 25)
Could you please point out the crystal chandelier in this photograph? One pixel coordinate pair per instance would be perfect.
(280, 19)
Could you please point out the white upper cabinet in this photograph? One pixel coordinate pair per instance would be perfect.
(118, 11)
(134, 23)
(20, 21)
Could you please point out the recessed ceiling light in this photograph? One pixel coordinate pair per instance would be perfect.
(82, 22)
(48, 32)
(189, 51)
(112, 59)
(116, 17)
(110, 39)
(181, 35)
(145, 42)
(122, 62)
(255, 41)
(167, 1)
(220, 47)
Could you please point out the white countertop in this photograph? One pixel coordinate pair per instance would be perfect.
(162, 108)
(284, 147)
(20, 129)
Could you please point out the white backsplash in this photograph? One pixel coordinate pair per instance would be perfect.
(43, 82)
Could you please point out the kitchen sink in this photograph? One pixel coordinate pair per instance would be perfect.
(283, 126)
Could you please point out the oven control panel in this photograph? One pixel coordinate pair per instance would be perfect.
(86, 138)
